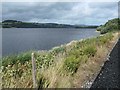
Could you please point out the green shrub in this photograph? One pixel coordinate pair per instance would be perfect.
(76, 52)
(103, 31)
(110, 26)
(89, 50)
(99, 28)
(102, 40)
(44, 60)
(57, 50)
(22, 58)
(13, 59)
(9, 60)
(71, 64)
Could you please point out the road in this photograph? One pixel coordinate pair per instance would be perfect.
(109, 76)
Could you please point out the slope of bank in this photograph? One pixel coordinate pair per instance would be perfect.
(66, 66)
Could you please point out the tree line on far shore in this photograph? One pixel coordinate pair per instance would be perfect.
(20, 24)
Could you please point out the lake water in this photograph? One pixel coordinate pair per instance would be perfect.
(16, 40)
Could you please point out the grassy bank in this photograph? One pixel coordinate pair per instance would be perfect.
(68, 65)
(110, 26)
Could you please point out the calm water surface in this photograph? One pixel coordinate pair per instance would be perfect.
(16, 40)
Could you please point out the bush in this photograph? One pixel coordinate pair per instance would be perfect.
(71, 64)
(89, 50)
(99, 28)
(9, 60)
(111, 25)
(104, 30)
(13, 59)
(104, 39)
(22, 58)
(57, 50)
(76, 52)
(44, 60)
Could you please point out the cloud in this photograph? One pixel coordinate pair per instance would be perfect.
(61, 12)
(60, 1)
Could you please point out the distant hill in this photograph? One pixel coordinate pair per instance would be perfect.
(111, 25)
(20, 24)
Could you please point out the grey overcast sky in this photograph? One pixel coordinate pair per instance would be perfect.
(89, 13)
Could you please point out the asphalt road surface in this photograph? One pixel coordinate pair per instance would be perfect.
(109, 76)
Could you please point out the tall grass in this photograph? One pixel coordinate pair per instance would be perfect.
(12, 59)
